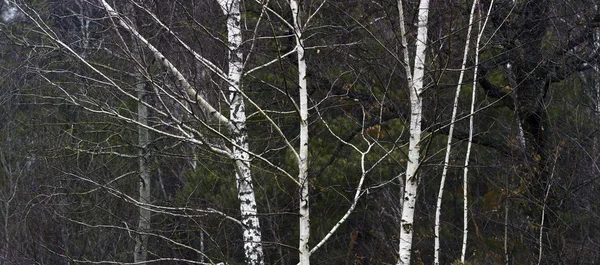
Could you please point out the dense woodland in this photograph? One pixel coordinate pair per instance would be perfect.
(299, 131)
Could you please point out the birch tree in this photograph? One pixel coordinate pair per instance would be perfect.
(414, 148)
(140, 253)
(438, 209)
(292, 104)
(304, 210)
(236, 122)
(252, 232)
(481, 29)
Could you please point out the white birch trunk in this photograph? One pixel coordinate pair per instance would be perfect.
(236, 123)
(252, 233)
(304, 211)
(438, 209)
(470, 141)
(404, 44)
(414, 146)
(408, 73)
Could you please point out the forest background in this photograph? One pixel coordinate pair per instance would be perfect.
(299, 132)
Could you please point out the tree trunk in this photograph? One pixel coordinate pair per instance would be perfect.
(252, 233)
(414, 146)
(303, 154)
(438, 209)
(140, 254)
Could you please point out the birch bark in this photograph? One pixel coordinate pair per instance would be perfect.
(438, 209)
(236, 124)
(303, 154)
(245, 191)
(470, 141)
(414, 146)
